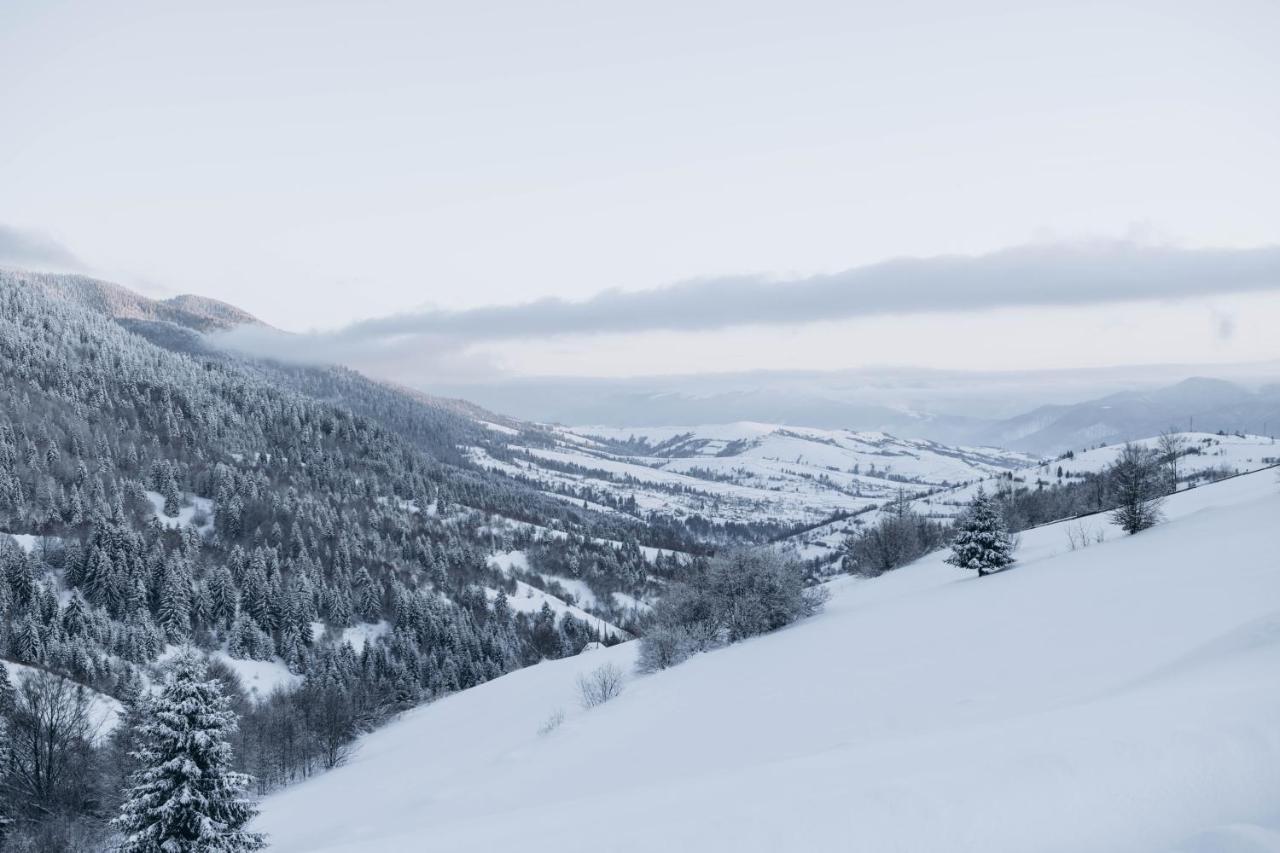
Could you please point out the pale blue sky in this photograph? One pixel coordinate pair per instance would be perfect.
(319, 163)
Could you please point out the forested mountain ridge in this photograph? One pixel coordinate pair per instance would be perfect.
(175, 495)
(194, 312)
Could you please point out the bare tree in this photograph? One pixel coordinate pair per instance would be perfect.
(50, 739)
(1135, 476)
(1172, 444)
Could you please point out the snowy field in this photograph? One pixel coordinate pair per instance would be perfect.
(1120, 697)
(749, 471)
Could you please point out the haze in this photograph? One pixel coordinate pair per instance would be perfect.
(322, 164)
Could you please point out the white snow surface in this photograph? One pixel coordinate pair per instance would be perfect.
(529, 599)
(1120, 697)
(191, 505)
(260, 678)
(26, 541)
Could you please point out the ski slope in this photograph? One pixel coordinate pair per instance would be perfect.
(1120, 697)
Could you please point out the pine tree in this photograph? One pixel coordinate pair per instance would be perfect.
(982, 541)
(28, 646)
(175, 601)
(185, 798)
(368, 601)
(74, 620)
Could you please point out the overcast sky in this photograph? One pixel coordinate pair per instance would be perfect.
(443, 165)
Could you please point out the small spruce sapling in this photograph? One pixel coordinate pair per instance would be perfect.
(982, 540)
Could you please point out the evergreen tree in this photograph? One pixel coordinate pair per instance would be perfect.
(28, 646)
(186, 798)
(982, 540)
(175, 601)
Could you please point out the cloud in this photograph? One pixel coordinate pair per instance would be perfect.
(32, 250)
(1029, 276)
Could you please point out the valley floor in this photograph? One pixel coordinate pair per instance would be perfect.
(1120, 697)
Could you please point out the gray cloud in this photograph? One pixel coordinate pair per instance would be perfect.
(1029, 276)
(33, 250)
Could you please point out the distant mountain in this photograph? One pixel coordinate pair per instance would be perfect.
(1203, 404)
(950, 406)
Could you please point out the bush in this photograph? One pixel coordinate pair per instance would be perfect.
(665, 646)
(900, 536)
(600, 685)
(741, 594)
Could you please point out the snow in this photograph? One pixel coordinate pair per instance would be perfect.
(26, 541)
(513, 563)
(1215, 453)
(630, 603)
(191, 506)
(260, 678)
(1117, 697)
(1210, 451)
(746, 471)
(529, 599)
(500, 428)
(366, 632)
(509, 561)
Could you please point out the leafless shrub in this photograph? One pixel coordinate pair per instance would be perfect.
(551, 723)
(1080, 536)
(600, 685)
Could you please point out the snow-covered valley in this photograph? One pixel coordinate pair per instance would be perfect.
(741, 472)
(1120, 696)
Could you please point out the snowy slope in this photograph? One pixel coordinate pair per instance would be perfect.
(1121, 697)
(1210, 456)
(744, 472)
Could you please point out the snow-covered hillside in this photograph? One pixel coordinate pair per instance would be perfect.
(1117, 697)
(1206, 457)
(744, 472)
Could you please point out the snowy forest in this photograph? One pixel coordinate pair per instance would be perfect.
(174, 496)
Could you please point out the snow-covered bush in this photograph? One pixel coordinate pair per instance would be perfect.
(740, 594)
(665, 646)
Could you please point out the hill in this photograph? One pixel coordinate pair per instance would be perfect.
(306, 527)
(1206, 404)
(1117, 697)
(1204, 458)
(726, 479)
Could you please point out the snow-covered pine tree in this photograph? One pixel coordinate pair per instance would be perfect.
(186, 798)
(175, 600)
(982, 540)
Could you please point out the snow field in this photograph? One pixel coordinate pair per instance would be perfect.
(1117, 697)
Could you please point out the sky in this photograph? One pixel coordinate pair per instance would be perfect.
(667, 186)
